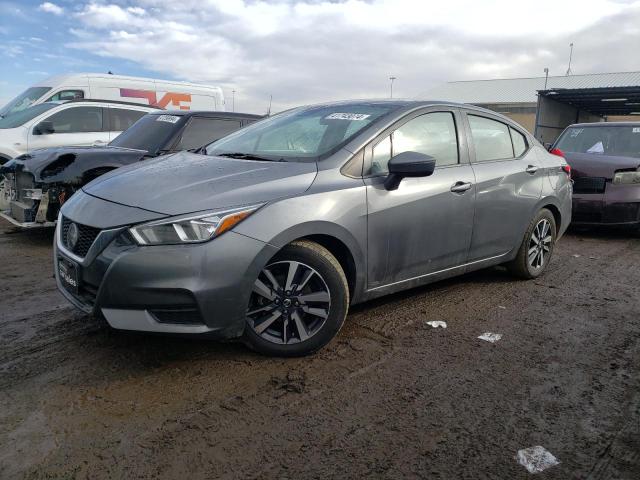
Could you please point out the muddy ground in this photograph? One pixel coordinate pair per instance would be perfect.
(391, 397)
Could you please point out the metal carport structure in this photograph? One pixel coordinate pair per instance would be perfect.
(561, 107)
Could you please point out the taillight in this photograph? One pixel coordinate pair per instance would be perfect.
(557, 151)
(567, 169)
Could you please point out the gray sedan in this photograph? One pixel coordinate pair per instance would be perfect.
(272, 232)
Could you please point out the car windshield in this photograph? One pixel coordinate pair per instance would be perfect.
(24, 100)
(17, 119)
(305, 133)
(150, 133)
(622, 141)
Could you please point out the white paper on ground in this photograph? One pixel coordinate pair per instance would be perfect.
(536, 459)
(490, 337)
(437, 323)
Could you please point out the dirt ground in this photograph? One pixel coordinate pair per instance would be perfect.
(391, 397)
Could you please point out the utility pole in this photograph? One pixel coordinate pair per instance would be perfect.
(570, 57)
(233, 100)
(546, 77)
(392, 79)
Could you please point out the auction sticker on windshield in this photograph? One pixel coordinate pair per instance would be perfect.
(167, 118)
(348, 116)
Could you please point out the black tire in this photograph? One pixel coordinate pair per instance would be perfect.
(325, 275)
(522, 266)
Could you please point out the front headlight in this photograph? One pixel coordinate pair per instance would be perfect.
(627, 177)
(190, 229)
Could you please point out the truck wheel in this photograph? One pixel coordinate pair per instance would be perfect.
(298, 303)
(536, 248)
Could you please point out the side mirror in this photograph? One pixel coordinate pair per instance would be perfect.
(548, 146)
(408, 164)
(44, 128)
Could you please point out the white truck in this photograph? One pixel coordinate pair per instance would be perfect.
(97, 86)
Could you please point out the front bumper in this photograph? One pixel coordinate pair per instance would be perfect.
(186, 289)
(617, 205)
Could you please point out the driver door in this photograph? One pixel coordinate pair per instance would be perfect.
(424, 226)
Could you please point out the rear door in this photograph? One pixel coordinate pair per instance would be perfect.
(72, 125)
(425, 225)
(508, 184)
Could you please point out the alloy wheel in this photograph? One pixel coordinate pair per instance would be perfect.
(289, 303)
(540, 244)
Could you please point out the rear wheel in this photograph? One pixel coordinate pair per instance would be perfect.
(298, 303)
(537, 246)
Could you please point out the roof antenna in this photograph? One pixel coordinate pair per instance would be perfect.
(570, 57)
(269, 111)
(109, 72)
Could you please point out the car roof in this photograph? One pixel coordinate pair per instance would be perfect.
(409, 104)
(207, 113)
(604, 124)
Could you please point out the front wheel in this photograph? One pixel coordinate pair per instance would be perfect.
(298, 303)
(537, 246)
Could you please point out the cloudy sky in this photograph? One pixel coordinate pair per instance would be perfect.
(309, 51)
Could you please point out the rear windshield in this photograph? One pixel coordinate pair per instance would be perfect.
(24, 100)
(305, 133)
(150, 133)
(622, 141)
(17, 119)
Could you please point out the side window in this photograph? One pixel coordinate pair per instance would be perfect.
(202, 131)
(519, 142)
(77, 120)
(432, 134)
(120, 118)
(66, 95)
(490, 138)
(381, 157)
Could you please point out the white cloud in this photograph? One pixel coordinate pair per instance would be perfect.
(51, 8)
(306, 51)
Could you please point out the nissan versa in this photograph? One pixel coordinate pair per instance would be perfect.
(270, 233)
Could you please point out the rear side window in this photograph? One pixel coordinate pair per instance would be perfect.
(201, 131)
(66, 95)
(519, 142)
(77, 120)
(121, 118)
(491, 139)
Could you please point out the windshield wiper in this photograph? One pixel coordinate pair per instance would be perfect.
(246, 156)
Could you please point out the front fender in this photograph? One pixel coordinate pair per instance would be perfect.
(339, 214)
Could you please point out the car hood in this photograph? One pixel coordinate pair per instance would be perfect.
(68, 164)
(598, 165)
(186, 182)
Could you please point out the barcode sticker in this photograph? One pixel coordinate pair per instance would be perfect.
(348, 116)
(167, 118)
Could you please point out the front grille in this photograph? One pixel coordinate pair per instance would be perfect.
(589, 185)
(86, 236)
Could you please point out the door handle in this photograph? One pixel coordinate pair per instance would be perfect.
(531, 169)
(461, 187)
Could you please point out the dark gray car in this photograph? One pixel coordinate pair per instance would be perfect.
(273, 231)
